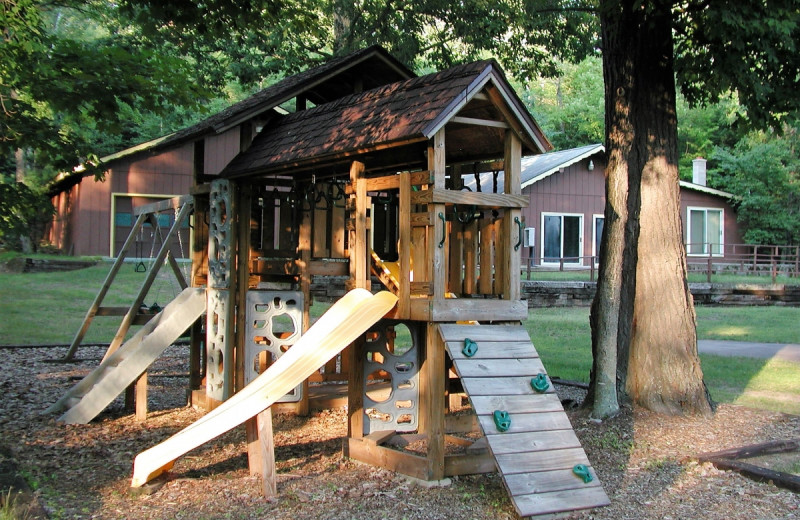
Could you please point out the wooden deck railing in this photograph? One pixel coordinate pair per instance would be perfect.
(743, 259)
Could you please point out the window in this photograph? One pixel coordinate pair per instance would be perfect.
(562, 237)
(704, 233)
(599, 224)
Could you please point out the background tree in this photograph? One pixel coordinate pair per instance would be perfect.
(748, 48)
(763, 171)
(72, 70)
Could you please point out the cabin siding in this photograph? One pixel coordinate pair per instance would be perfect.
(574, 190)
(220, 150)
(83, 220)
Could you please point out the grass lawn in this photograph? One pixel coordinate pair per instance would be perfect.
(47, 308)
(563, 340)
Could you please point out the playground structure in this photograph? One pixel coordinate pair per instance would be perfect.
(371, 184)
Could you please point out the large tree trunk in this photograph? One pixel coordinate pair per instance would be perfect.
(657, 362)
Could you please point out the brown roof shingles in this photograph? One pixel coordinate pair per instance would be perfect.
(399, 111)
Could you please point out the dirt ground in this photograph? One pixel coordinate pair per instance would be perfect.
(643, 460)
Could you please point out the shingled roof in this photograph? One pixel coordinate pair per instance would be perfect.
(313, 83)
(398, 114)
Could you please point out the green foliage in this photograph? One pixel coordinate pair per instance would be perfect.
(570, 107)
(701, 129)
(24, 213)
(763, 170)
(749, 47)
(62, 88)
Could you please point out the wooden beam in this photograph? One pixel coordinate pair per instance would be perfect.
(432, 396)
(163, 205)
(141, 398)
(470, 198)
(394, 460)
(455, 309)
(355, 389)
(469, 464)
(479, 122)
(392, 182)
(436, 252)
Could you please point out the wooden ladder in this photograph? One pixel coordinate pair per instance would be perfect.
(538, 453)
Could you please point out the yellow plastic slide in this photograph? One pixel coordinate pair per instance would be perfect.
(345, 321)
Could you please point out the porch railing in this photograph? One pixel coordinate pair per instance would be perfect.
(741, 259)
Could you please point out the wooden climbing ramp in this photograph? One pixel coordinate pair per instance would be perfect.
(539, 457)
(118, 370)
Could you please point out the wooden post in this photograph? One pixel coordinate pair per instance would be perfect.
(436, 255)
(355, 390)
(432, 399)
(304, 246)
(404, 302)
(470, 256)
(239, 297)
(358, 243)
(486, 257)
(141, 398)
(512, 229)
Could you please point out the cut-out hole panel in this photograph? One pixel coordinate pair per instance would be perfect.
(404, 404)
(259, 324)
(405, 385)
(402, 340)
(403, 368)
(372, 336)
(376, 415)
(262, 340)
(283, 324)
(379, 389)
(375, 357)
(261, 307)
(261, 361)
(405, 418)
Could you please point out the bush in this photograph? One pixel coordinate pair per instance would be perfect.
(24, 215)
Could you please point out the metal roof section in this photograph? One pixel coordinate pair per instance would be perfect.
(706, 189)
(542, 166)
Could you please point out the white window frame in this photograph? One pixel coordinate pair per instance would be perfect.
(545, 214)
(595, 244)
(705, 211)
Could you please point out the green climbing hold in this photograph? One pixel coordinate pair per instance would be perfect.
(470, 347)
(539, 383)
(502, 420)
(583, 472)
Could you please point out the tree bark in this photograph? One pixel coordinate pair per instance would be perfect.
(657, 362)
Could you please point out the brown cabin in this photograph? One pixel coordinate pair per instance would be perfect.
(564, 219)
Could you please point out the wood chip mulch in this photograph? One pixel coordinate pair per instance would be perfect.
(645, 461)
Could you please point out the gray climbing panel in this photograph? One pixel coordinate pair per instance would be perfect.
(391, 398)
(274, 321)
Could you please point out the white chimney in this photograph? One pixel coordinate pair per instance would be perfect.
(699, 171)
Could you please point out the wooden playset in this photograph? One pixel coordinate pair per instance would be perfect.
(370, 186)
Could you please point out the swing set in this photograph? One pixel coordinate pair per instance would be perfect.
(135, 314)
